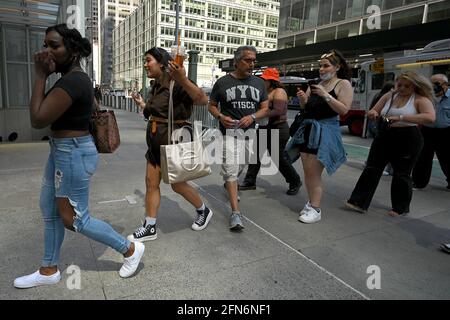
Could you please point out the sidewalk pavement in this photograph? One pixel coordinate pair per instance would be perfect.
(275, 257)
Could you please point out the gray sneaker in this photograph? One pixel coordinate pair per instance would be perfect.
(236, 221)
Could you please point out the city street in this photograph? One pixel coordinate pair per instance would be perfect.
(346, 255)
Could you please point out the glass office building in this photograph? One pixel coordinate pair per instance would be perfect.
(304, 22)
(215, 28)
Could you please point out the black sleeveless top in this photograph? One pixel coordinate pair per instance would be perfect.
(317, 108)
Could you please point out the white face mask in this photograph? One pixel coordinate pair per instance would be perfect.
(327, 76)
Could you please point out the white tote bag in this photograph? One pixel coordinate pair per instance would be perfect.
(184, 161)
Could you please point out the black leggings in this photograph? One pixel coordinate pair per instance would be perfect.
(400, 147)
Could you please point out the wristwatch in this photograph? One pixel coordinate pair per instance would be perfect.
(219, 116)
(253, 117)
(328, 98)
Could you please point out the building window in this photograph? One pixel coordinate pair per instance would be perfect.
(271, 34)
(166, 43)
(167, 18)
(193, 34)
(339, 7)
(438, 11)
(167, 5)
(194, 46)
(311, 14)
(215, 37)
(235, 40)
(214, 49)
(255, 32)
(194, 23)
(216, 11)
(167, 31)
(236, 29)
(255, 43)
(347, 30)
(354, 8)
(304, 39)
(272, 22)
(326, 34)
(216, 26)
(255, 18)
(271, 45)
(237, 15)
(407, 17)
(195, 7)
(391, 4)
(324, 12)
(231, 50)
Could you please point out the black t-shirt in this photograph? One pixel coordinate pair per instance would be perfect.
(78, 86)
(238, 98)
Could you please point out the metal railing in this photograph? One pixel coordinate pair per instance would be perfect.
(199, 113)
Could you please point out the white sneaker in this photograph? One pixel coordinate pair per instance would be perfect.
(310, 216)
(130, 264)
(36, 279)
(305, 208)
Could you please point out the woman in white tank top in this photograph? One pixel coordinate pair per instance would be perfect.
(399, 145)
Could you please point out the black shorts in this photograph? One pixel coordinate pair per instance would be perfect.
(156, 140)
(304, 146)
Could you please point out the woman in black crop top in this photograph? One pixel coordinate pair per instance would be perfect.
(73, 156)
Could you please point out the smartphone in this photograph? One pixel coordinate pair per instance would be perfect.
(313, 81)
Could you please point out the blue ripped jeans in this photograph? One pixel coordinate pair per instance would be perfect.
(71, 164)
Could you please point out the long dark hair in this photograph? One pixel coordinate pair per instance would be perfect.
(73, 40)
(273, 84)
(337, 59)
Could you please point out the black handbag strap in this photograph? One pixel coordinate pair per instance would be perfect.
(390, 104)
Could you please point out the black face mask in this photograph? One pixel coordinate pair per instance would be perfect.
(437, 87)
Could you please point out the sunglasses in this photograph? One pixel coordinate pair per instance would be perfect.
(249, 61)
(327, 55)
(331, 55)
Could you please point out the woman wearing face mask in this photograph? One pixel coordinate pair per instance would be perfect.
(318, 140)
(408, 106)
(73, 157)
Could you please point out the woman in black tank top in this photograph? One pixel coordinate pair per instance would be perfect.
(323, 102)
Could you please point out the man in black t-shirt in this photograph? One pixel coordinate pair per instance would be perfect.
(242, 98)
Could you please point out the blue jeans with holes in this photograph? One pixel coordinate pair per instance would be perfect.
(71, 164)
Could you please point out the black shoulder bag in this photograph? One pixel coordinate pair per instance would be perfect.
(383, 123)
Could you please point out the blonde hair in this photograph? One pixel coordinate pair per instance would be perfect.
(422, 85)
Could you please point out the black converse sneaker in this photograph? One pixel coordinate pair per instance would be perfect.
(202, 219)
(145, 233)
